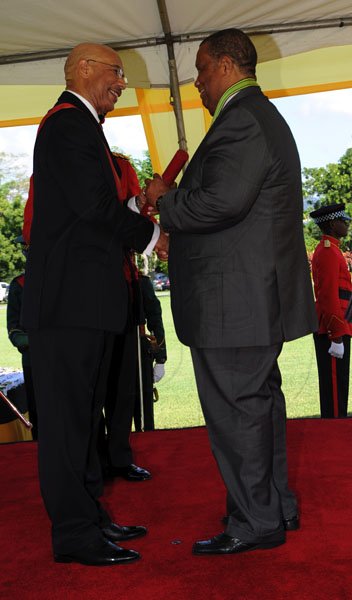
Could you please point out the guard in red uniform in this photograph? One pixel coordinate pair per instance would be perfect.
(332, 286)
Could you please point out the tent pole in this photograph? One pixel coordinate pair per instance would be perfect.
(174, 82)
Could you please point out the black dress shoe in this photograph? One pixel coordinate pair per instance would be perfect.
(292, 524)
(131, 473)
(119, 533)
(99, 554)
(225, 544)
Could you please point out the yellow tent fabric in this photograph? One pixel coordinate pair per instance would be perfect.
(303, 46)
(315, 71)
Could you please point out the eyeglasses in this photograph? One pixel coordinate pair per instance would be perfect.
(117, 70)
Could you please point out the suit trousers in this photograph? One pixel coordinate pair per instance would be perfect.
(115, 450)
(244, 410)
(334, 377)
(70, 368)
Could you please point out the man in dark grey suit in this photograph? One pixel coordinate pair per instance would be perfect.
(240, 286)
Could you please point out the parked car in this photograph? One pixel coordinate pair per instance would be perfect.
(160, 281)
(4, 291)
(166, 284)
(157, 285)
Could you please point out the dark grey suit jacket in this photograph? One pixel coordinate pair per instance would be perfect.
(238, 266)
(74, 275)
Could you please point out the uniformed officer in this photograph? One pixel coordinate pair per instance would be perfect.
(153, 354)
(332, 286)
(19, 337)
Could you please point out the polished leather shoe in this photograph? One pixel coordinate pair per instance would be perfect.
(291, 524)
(120, 533)
(225, 544)
(99, 554)
(131, 473)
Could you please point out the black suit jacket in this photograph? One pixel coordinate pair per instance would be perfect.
(74, 274)
(238, 266)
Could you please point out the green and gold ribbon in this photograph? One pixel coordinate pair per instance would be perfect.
(236, 87)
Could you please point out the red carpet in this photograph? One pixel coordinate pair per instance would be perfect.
(185, 501)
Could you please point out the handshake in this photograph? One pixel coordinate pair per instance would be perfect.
(156, 188)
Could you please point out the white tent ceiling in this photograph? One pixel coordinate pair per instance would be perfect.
(278, 29)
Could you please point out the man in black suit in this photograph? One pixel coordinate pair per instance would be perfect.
(240, 286)
(76, 301)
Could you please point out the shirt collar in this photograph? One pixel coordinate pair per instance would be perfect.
(229, 99)
(87, 104)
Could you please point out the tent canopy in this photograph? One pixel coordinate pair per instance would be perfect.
(303, 46)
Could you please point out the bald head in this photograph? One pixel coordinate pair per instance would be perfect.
(86, 52)
(95, 72)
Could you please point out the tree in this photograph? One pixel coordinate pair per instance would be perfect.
(324, 186)
(143, 167)
(13, 191)
(312, 236)
(330, 184)
(11, 257)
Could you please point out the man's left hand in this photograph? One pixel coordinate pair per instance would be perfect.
(337, 349)
(159, 372)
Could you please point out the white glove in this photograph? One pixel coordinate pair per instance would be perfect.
(159, 372)
(336, 350)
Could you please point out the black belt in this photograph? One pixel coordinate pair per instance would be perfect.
(344, 294)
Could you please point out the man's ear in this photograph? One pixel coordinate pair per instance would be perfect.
(83, 68)
(226, 64)
(230, 68)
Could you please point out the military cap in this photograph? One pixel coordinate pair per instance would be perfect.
(329, 213)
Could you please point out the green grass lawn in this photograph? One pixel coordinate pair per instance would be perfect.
(178, 404)
(9, 356)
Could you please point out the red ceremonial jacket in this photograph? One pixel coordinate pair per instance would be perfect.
(332, 287)
(129, 180)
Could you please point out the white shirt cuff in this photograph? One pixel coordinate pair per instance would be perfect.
(149, 249)
(153, 241)
(132, 204)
